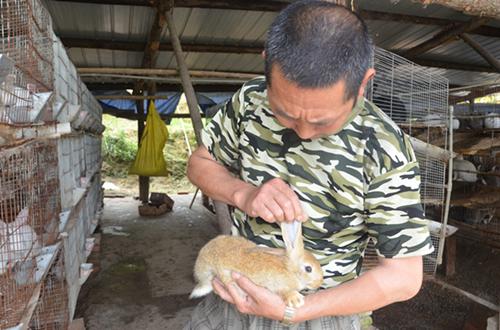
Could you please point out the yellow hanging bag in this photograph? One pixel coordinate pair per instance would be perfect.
(149, 160)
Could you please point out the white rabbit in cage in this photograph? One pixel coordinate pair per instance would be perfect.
(15, 102)
(464, 170)
(19, 246)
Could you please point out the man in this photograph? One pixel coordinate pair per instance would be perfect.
(304, 144)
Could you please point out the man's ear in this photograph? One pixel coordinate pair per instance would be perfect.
(263, 54)
(370, 73)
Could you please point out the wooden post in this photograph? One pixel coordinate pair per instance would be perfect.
(192, 102)
(450, 256)
(143, 180)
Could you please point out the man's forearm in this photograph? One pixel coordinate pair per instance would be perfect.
(213, 178)
(376, 288)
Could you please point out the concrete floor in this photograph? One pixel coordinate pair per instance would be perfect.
(145, 277)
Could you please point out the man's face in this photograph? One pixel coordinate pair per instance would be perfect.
(311, 113)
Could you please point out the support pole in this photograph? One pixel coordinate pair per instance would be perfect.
(192, 102)
(143, 180)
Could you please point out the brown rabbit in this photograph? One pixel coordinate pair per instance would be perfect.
(285, 272)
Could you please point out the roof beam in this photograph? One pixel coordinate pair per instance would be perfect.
(133, 116)
(163, 87)
(447, 34)
(481, 51)
(139, 46)
(452, 65)
(165, 73)
(268, 5)
(256, 5)
(238, 49)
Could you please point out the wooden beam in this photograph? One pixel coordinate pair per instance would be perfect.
(139, 46)
(109, 44)
(445, 35)
(134, 116)
(131, 97)
(273, 6)
(149, 59)
(481, 51)
(485, 8)
(203, 88)
(187, 86)
(167, 73)
(451, 65)
(255, 5)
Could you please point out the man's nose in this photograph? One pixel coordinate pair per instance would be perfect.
(304, 131)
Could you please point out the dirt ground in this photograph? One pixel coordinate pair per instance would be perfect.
(146, 265)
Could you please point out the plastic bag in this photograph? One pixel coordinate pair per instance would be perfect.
(149, 160)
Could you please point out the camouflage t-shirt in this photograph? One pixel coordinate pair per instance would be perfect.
(360, 182)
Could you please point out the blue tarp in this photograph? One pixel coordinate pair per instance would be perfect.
(164, 106)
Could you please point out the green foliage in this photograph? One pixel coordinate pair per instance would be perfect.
(119, 148)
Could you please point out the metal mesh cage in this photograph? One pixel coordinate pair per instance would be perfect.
(29, 208)
(412, 95)
(16, 95)
(416, 99)
(25, 27)
(52, 309)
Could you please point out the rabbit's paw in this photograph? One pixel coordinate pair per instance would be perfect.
(294, 299)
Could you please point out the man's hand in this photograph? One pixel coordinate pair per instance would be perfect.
(274, 201)
(250, 298)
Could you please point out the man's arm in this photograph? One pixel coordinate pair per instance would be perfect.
(392, 281)
(273, 201)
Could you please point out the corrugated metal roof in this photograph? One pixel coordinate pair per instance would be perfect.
(230, 27)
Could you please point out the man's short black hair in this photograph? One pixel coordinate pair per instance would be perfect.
(317, 43)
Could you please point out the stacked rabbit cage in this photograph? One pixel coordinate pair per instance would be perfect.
(416, 99)
(29, 211)
(50, 186)
(26, 29)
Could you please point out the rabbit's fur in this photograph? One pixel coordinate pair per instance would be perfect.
(285, 272)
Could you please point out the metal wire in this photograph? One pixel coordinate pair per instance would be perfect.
(51, 312)
(16, 101)
(29, 209)
(416, 98)
(25, 36)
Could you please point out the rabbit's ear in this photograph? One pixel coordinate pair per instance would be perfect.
(292, 235)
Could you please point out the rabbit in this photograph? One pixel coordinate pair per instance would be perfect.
(283, 271)
(464, 170)
(18, 242)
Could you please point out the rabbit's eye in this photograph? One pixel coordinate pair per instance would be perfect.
(309, 269)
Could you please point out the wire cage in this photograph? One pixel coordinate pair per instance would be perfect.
(416, 99)
(51, 312)
(25, 27)
(16, 94)
(29, 209)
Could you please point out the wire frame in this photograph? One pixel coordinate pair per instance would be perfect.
(51, 312)
(29, 208)
(412, 95)
(25, 36)
(416, 99)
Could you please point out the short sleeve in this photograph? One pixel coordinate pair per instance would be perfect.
(221, 135)
(395, 218)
